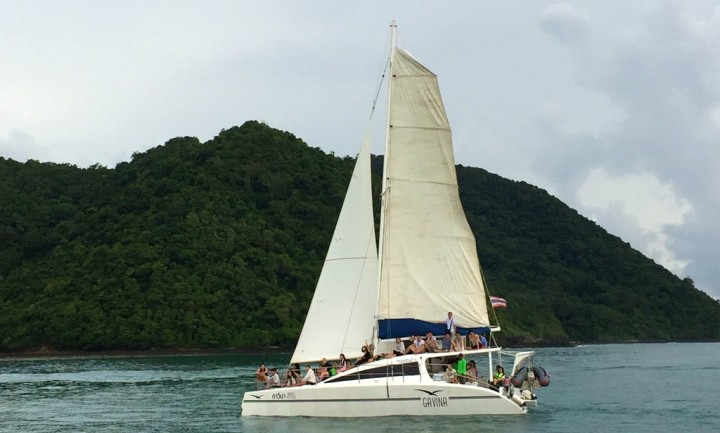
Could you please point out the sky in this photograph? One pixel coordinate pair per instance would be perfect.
(612, 106)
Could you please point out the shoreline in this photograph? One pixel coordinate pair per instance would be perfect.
(46, 352)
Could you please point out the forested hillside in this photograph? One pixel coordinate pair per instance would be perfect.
(560, 272)
(219, 244)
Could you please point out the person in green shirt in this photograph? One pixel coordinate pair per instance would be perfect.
(461, 368)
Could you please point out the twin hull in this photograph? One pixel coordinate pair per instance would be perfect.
(381, 397)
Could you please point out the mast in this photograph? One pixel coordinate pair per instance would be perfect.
(385, 186)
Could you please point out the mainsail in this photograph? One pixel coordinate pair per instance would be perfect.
(429, 263)
(342, 312)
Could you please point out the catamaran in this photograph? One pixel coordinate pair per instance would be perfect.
(424, 264)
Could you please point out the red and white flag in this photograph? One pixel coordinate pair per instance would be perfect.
(498, 302)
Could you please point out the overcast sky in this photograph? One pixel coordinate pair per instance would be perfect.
(612, 106)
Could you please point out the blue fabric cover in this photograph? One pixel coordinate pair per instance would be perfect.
(391, 328)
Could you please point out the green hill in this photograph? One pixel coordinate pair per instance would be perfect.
(219, 244)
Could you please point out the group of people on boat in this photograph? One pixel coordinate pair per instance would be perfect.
(463, 371)
(452, 342)
(270, 378)
(458, 371)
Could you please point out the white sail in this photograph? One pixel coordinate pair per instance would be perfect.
(342, 312)
(429, 262)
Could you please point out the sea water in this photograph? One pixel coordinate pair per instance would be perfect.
(604, 388)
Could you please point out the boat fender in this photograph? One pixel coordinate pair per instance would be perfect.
(519, 377)
(518, 399)
(541, 375)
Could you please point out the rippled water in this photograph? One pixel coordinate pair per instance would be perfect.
(634, 388)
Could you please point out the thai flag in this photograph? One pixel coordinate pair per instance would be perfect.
(498, 302)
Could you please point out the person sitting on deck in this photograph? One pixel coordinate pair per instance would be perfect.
(273, 380)
(295, 369)
(309, 378)
(417, 346)
(343, 364)
(447, 342)
(430, 345)
(399, 347)
(325, 370)
(290, 379)
(483, 342)
(261, 376)
(472, 373)
(498, 376)
(458, 345)
(450, 375)
(366, 356)
(473, 341)
(375, 356)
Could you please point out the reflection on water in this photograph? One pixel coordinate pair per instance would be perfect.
(410, 423)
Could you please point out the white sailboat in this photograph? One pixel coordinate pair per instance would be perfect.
(425, 266)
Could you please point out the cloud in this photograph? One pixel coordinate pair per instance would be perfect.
(563, 21)
(636, 145)
(642, 207)
(21, 146)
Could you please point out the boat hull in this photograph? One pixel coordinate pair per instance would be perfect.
(379, 398)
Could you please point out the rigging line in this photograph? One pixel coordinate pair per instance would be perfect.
(416, 76)
(425, 182)
(422, 128)
(382, 78)
(357, 286)
(339, 259)
(487, 297)
(379, 87)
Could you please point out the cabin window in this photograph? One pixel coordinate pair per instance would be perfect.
(409, 369)
(397, 370)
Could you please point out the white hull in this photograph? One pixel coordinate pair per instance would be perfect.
(385, 396)
(367, 400)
